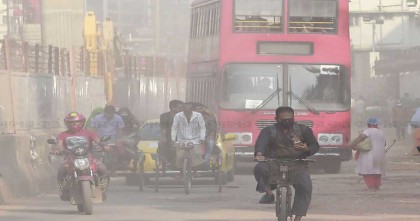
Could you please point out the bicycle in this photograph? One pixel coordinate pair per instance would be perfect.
(187, 161)
(281, 172)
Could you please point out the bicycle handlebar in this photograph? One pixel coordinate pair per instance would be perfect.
(60, 153)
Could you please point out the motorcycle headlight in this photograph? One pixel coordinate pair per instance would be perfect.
(81, 164)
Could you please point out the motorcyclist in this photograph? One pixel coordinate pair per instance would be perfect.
(129, 139)
(111, 124)
(96, 111)
(108, 123)
(75, 122)
(130, 121)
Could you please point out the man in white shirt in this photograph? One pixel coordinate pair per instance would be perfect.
(189, 126)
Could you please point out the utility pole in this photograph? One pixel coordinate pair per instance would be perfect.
(157, 25)
(8, 18)
(373, 34)
(105, 8)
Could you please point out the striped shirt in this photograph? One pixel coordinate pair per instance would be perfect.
(192, 131)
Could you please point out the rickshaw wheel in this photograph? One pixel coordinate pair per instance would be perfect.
(230, 176)
(140, 166)
(157, 174)
(219, 178)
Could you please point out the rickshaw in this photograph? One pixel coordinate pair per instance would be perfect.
(152, 165)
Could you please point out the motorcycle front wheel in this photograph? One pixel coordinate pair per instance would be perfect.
(86, 193)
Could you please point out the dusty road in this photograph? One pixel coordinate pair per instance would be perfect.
(335, 197)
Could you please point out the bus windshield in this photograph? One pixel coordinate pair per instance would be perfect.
(313, 16)
(324, 87)
(246, 86)
(258, 16)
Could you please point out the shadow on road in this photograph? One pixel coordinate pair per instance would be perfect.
(12, 218)
(224, 219)
(45, 211)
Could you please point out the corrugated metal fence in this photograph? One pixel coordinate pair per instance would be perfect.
(39, 85)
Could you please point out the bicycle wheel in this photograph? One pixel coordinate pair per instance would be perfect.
(157, 174)
(281, 204)
(186, 174)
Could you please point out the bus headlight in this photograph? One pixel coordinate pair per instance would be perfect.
(336, 139)
(237, 138)
(323, 139)
(246, 138)
(330, 139)
(243, 138)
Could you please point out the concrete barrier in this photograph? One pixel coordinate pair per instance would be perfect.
(24, 169)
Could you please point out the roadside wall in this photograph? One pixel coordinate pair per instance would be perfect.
(35, 108)
(24, 171)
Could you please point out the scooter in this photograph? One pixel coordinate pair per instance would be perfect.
(82, 183)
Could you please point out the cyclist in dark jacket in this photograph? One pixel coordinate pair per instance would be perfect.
(286, 140)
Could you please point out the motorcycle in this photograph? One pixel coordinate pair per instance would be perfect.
(82, 182)
(123, 153)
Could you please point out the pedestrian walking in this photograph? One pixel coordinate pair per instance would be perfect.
(371, 163)
(399, 120)
(415, 125)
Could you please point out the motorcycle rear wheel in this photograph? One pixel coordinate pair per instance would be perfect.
(87, 197)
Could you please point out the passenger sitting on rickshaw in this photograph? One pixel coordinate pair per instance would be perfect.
(128, 141)
(189, 126)
(166, 120)
(211, 128)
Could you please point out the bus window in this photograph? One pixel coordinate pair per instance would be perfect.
(325, 87)
(313, 16)
(245, 86)
(258, 16)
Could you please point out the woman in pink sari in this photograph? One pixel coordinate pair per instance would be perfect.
(371, 163)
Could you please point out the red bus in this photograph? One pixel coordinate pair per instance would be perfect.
(248, 57)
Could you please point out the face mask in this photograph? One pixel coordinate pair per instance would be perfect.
(286, 123)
